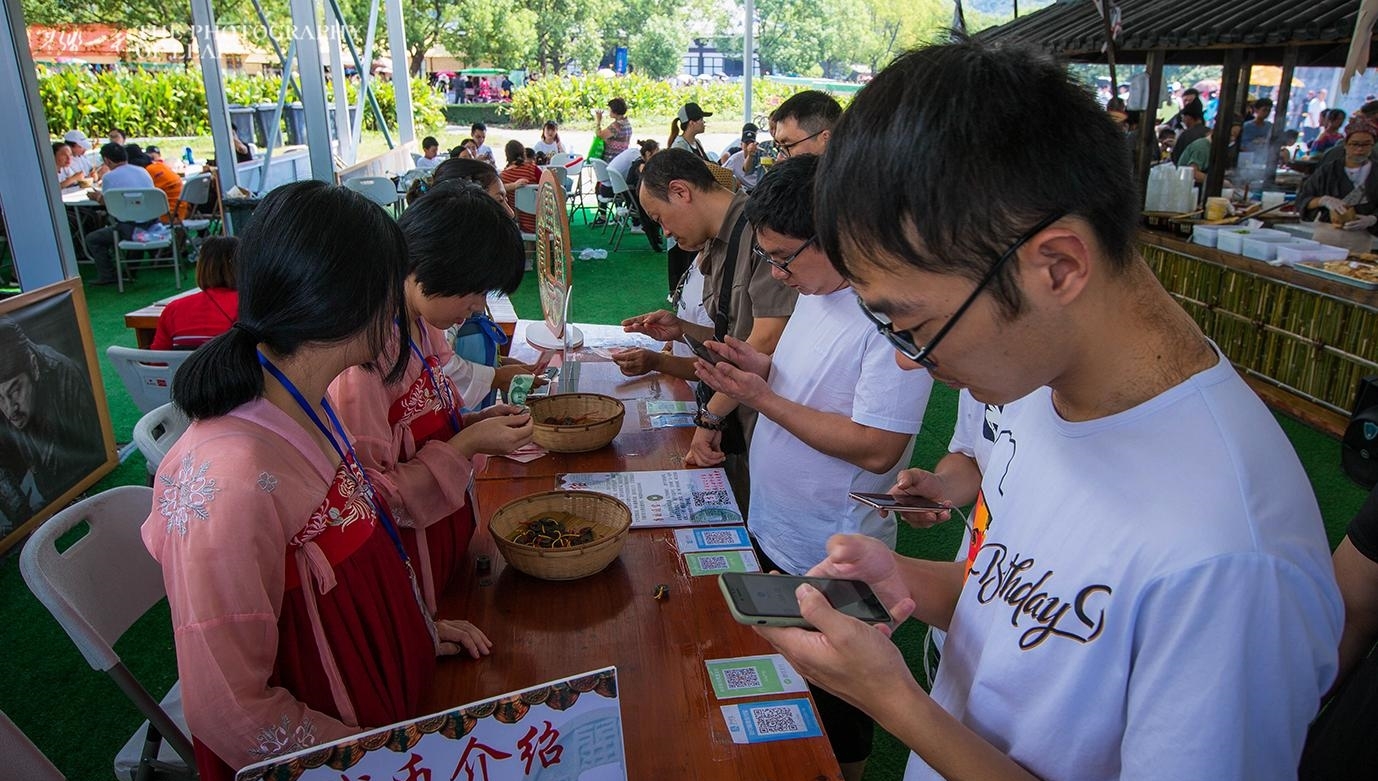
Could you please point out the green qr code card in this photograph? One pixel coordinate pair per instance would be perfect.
(749, 676)
(721, 561)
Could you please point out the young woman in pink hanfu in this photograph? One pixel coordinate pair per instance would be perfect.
(295, 610)
(411, 438)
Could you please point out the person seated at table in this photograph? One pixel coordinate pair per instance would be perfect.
(479, 133)
(1323, 194)
(80, 145)
(550, 142)
(1338, 745)
(834, 407)
(190, 321)
(294, 615)
(1332, 120)
(67, 174)
(117, 136)
(629, 164)
(154, 153)
(164, 178)
(1153, 596)
(1292, 148)
(101, 242)
(519, 173)
(430, 154)
(410, 434)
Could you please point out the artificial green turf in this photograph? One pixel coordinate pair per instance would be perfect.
(79, 718)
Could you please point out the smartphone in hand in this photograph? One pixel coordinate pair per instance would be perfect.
(756, 598)
(901, 503)
(701, 350)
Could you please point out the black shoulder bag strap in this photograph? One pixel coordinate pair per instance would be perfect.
(723, 309)
(733, 437)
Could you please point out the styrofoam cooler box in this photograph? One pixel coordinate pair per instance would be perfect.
(1232, 239)
(1206, 235)
(1266, 247)
(1296, 252)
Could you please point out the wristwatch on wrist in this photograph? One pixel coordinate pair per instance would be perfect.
(708, 420)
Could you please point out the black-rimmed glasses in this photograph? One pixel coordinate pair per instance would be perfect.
(783, 265)
(903, 341)
(787, 149)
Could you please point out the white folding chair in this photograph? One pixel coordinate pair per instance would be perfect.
(147, 374)
(157, 431)
(196, 190)
(600, 177)
(379, 189)
(524, 201)
(23, 760)
(139, 206)
(96, 588)
(620, 212)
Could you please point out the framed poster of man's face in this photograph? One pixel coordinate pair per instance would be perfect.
(55, 434)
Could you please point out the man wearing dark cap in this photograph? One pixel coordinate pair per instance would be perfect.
(745, 163)
(1192, 118)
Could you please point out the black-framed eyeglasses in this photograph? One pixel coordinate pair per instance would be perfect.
(903, 341)
(782, 265)
(786, 150)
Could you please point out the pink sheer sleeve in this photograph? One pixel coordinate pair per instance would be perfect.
(223, 511)
(422, 486)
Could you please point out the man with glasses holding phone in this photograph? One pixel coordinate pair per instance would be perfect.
(739, 297)
(836, 413)
(1152, 596)
(803, 124)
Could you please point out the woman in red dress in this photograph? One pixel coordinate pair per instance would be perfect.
(295, 609)
(410, 435)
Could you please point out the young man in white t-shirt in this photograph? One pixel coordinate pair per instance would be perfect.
(837, 414)
(1151, 594)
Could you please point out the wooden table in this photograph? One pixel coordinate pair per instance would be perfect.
(541, 630)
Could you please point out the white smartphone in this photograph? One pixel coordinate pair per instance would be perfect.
(768, 600)
(902, 503)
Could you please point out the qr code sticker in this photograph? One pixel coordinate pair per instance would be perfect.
(713, 562)
(778, 720)
(719, 538)
(711, 498)
(741, 677)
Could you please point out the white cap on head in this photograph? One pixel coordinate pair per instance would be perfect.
(76, 136)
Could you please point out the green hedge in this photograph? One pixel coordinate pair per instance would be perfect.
(173, 102)
(569, 99)
(466, 114)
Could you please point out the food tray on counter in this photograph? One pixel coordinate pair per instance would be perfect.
(1327, 270)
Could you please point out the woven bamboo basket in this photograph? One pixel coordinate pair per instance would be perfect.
(610, 519)
(603, 416)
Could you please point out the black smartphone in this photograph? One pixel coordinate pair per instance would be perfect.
(768, 600)
(899, 504)
(701, 350)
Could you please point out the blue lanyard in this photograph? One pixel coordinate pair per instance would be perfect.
(442, 391)
(346, 453)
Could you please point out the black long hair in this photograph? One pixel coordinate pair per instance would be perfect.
(316, 264)
(461, 241)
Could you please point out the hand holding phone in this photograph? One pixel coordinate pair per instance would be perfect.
(755, 598)
(899, 503)
(701, 350)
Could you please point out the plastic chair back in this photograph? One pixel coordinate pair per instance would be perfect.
(22, 757)
(379, 189)
(524, 200)
(140, 205)
(158, 431)
(600, 171)
(617, 182)
(196, 189)
(561, 158)
(147, 374)
(97, 588)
